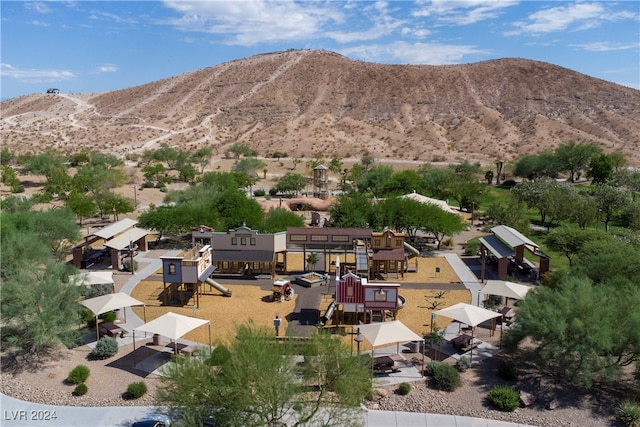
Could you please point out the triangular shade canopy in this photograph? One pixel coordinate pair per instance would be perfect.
(467, 313)
(506, 289)
(172, 325)
(104, 303)
(381, 333)
(92, 278)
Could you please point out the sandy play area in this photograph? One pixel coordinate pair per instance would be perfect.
(253, 302)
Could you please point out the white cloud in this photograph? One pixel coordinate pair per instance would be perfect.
(412, 53)
(37, 6)
(462, 12)
(34, 76)
(256, 21)
(106, 68)
(605, 46)
(576, 16)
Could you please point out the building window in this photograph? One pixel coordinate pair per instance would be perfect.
(234, 241)
(377, 243)
(243, 241)
(319, 238)
(380, 295)
(350, 291)
(340, 238)
(298, 237)
(172, 268)
(252, 241)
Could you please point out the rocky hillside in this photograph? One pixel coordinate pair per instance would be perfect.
(305, 102)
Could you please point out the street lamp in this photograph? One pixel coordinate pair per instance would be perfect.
(358, 339)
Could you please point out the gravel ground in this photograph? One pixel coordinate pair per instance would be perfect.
(45, 383)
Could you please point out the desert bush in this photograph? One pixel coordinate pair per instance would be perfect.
(472, 247)
(259, 192)
(136, 390)
(628, 414)
(446, 377)
(504, 398)
(79, 374)
(463, 364)
(109, 316)
(507, 370)
(404, 389)
(105, 348)
(147, 184)
(219, 355)
(431, 367)
(80, 389)
(126, 264)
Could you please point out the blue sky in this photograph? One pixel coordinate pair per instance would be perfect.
(96, 46)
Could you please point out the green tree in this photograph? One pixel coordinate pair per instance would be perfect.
(56, 229)
(573, 157)
(279, 219)
(261, 385)
(109, 202)
(546, 195)
(6, 156)
(248, 168)
(335, 165)
(441, 224)
(578, 331)
(569, 241)
(610, 201)
(404, 182)
(312, 260)
(367, 160)
(58, 183)
(43, 163)
(351, 210)
(609, 260)
(291, 184)
(532, 166)
(105, 160)
(241, 149)
(512, 214)
(202, 157)
(375, 180)
(234, 209)
(600, 169)
(187, 173)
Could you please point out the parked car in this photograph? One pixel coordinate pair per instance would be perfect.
(156, 420)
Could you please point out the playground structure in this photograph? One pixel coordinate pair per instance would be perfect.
(184, 275)
(281, 290)
(359, 301)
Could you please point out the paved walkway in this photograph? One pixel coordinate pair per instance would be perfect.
(18, 413)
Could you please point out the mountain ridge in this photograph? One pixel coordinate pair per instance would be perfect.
(308, 103)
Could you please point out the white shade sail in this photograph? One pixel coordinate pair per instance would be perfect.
(467, 313)
(92, 278)
(109, 302)
(381, 333)
(172, 325)
(506, 289)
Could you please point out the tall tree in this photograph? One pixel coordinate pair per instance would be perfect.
(351, 210)
(258, 383)
(577, 330)
(279, 219)
(291, 184)
(610, 201)
(574, 157)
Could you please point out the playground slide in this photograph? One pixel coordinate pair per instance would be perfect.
(411, 249)
(226, 292)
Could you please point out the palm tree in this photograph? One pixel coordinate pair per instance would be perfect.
(312, 260)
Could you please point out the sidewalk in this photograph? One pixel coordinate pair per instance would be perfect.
(18, 413)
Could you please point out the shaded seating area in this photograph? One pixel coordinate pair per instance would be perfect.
(383, 364)
(464, 343)
(112, 330)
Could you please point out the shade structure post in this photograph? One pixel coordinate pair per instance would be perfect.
(97, 329)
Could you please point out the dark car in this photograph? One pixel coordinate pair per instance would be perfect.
(53, 90)
(157, 420)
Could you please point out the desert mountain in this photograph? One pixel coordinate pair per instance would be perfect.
(305, 102)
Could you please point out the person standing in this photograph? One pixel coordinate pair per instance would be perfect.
(276, 324)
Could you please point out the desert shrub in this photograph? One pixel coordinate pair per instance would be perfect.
(126, 264)
(147, 184)
(507, 370)
(431, 367)
(164, 189)
(105, 348)
(628, 414)
(446, 377)
(80, 389)
(493, 302)
(472, 247)
(404, 389)
(463, 364)
(504, 398)
(136, 390)
(109, 316)
(273, 191)
(79, 374)
(259, 192)
(219, 356)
